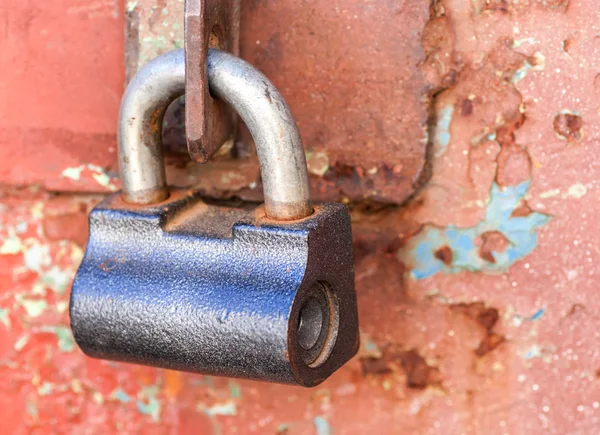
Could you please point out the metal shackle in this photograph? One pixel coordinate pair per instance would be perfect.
(257, 101)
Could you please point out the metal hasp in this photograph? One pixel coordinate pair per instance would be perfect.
(208, 122)
(172, 281)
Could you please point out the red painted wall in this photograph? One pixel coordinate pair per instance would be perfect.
(61, 80)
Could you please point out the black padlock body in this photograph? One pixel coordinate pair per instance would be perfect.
(218, 290)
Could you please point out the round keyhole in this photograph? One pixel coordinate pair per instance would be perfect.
(310, 323)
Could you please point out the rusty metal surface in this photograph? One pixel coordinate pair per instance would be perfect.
(342, 67)
(208, 123)
(360, 143)
(350, 72)
(477, 299)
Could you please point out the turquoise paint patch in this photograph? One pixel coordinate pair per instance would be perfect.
(66, 343)
(151, 408)
(120, 396)
(65, 339)
(537, 64)
(151, 405)
(521, 73)
(322, 426)
(4, 319)
(442, 130)
(371, 346)
(520, 231)
(235, 390)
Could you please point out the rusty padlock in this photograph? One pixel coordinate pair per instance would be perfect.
(171, 281)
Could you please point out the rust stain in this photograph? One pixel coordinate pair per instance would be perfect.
(490, 342)
(486, 317)
(419, 374)
(467, 107)
(492, 241)
(444, 254)
(568, 126)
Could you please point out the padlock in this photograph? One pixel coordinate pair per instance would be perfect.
(173, 281)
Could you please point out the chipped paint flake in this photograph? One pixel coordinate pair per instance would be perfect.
(538, 314)
(4, 319)
(148, 402)
(34, 308)
(73, 173)
(535, 351)
(120, 395)
(76, 386)
(464, 243)
(21, 342)
(98, 174)
(576, 191)
(131, 5)
(37, 256)
(322, 426)
(550, 193)
(538, 63)
(21, 227)
(11, 246)
(31, 408)
(518, 42)
(62, 306)
(442, 130)
(66, 343)
(45, 389)
(98, 398)
(235, 390)
(224, 408)
(317, 162)
(57, 279)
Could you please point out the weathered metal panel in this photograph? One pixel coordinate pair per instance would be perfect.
(343, 67)
(61, 80)
(360, 142)
(477, 298)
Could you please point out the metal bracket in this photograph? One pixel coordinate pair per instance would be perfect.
(209, 123)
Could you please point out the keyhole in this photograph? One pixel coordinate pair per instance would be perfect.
(310, 323)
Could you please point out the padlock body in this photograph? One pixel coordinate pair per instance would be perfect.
(218, 290)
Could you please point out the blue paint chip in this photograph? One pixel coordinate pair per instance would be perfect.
(538, 314)
(520, 232)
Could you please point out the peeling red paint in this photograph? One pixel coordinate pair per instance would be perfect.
(515, 351)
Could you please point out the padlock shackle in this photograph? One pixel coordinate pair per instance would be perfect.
(263, 109)
(143, 107)
(273, 128)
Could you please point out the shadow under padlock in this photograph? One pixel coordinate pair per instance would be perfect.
(170, 281)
